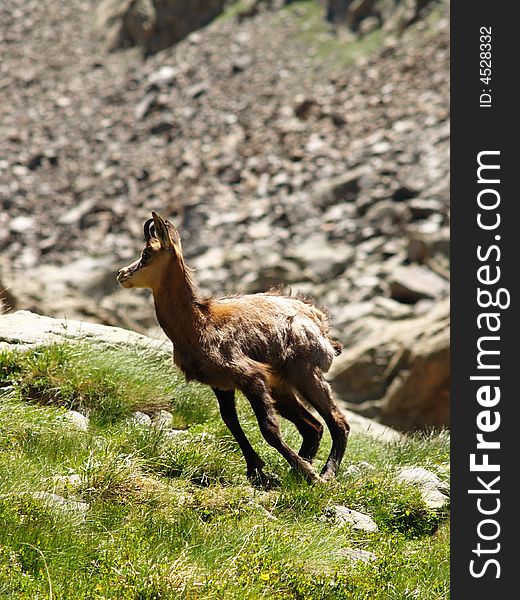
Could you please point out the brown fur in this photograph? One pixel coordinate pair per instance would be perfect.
(273, 348)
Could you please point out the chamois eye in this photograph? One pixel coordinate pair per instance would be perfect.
(145, 255)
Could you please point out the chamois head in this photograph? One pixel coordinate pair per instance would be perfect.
(163, 245)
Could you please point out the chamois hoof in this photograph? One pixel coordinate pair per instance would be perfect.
(308, 474)
(328, 474)
(318, 479)
(259, 479)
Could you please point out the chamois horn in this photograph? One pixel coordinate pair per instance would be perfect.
(149, 230)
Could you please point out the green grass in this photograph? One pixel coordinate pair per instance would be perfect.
(306, 19)
(174, 516)
(332, 48)
(232, 10)
(328, 47)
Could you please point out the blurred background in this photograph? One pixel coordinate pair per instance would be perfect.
(300, 143)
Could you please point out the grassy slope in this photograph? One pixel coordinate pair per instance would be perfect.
(333, 50)
(174, 517)
(309, 27)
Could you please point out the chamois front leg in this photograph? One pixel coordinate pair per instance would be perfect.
(228, 411)
(263, 406)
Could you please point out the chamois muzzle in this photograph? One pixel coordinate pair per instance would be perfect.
(124, 275)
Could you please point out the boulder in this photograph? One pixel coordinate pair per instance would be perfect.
(411, 283)
(423, 244)
(400, 371)
(163, 419)
(77, 419)
(152, 25)
(275, 273)
(141, 419)
(73, 508)
(126, 23)
(387, 308)
(352, 312)
(23, 329)
(433, 490)
(343, 188)
(380, 432)
(342, 515)
(357, 555)
(325, 261)
(419, 394)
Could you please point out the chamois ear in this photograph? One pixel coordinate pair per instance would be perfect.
(174, 235)
(165, 232)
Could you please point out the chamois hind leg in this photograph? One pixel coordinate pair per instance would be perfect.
(311, 430)
(262, 403)
(312, 386)
(228, 411)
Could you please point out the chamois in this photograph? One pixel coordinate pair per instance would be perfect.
(272, 348)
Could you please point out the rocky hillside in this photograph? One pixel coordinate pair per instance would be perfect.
(283, 154)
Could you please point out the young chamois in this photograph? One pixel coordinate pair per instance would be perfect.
(272, 348)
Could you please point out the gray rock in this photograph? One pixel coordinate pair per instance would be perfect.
(343, 515)
(347, 313)
(79, 421)
(75, 214)
(140, 418)
(423, 245)
(165, 75)
(344, 188)
(357, 555)
(421, 208)
(412, 283)
(273, 275)
(360, 424)
(174, 434)
(100, 282)
(404, 366)
(419, 394)
(321, 258)
(21, 224)
(145, 105)
(387, 308)
(433, 490)
(163, 419)
(125, 22)
(25, 329)
(57, 502)
(197, 90)
(213, 258)
(386, 211)
(358, 374)
(152, 25)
